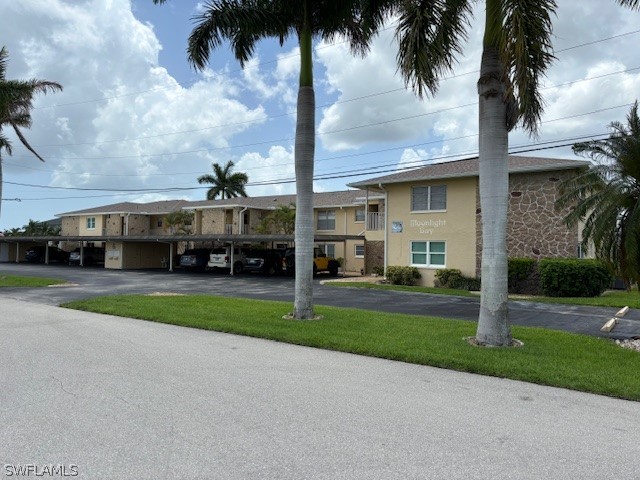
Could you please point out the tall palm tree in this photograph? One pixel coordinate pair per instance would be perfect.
(244, 23)
(516, 53)
(16, 102)
(225, 183)
(607, 198)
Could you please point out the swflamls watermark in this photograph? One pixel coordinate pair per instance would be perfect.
(40, 470)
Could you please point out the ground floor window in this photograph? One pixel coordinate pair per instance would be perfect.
(359, 251)
(329, 249)
(428, 254)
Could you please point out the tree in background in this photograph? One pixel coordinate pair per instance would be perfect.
(39, 229)
(226, 184)
(606, 197)
(178, 222)
(16, 103)
(281, 220)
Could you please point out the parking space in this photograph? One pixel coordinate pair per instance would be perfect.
(89, 282)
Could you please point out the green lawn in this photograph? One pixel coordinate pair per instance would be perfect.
(548, 357)
(17, 281)
(611, 298)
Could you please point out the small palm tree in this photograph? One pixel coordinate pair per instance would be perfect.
(607, 198)
(16, 102)
(225, 183)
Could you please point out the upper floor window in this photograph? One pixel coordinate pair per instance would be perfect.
(326, 220)
(159, 223)
(429, 198)
(91, 223)
(359, 214)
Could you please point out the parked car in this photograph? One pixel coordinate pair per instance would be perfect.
(321, 263)
(267, 261)
(220, 259)
(195, 259)
(38, 254)
(91, 256)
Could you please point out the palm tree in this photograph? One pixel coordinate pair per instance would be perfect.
(607, 198)
(516, 53)
(16, 102)
(225, 184)
(244, 23)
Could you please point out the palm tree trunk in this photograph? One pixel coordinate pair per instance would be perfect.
(304, 157)
(493, 322)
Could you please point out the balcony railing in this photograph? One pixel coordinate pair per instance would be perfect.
(375, 221)
(228, 229)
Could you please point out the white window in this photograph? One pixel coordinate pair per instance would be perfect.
(326, 220)
(359, 251)
(329, 249)
(359, 214)
(429, 198)
(91, 223)
(428, 254)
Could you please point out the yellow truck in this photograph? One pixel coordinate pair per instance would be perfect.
(321, 263)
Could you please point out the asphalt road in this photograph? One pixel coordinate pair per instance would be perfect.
(116, 398)
(89, 282)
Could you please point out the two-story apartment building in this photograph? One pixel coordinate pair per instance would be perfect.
(433, 215)
(337, 215)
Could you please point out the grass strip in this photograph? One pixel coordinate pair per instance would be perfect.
(18, 281)
(577, 362)
(612, 298)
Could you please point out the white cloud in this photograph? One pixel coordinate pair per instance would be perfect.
(98, 49)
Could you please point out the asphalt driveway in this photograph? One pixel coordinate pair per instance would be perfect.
(90, 282)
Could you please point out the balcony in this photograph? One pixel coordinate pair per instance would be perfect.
(228, 229)
(375, 221)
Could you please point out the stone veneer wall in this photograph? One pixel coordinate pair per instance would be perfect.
(114, 224)
(535, 229)
(70, 226)
(373, 255)
(138, 224)
(213, 221)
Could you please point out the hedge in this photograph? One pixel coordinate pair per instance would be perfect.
(573, 277)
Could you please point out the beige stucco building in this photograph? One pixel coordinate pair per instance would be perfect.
(433, 215)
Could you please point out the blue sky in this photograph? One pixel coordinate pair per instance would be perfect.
(135, 120)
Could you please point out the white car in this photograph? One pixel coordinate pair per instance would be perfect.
(220, 258)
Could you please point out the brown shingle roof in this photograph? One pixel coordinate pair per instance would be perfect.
(469, 168)
(321, 200)
(151, 208)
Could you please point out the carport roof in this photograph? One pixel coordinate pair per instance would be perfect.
(179, 238)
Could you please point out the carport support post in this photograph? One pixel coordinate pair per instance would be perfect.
(231, 269)
(82, 254)
(17, 252)
(46, 253)
(171, 256)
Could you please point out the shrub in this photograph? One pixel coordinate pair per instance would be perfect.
(573, 277)
(523, 276)
(453, 278)
(378, 270)
(403, 275)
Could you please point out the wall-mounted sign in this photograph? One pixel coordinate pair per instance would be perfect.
(427, 227)
(396, 227)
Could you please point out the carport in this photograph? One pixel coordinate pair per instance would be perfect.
(126, 252)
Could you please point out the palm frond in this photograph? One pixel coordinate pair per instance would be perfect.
(430, 35)
(526, 52)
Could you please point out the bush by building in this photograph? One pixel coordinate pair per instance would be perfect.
(573, 277)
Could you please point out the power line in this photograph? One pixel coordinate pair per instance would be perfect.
(345, 174)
